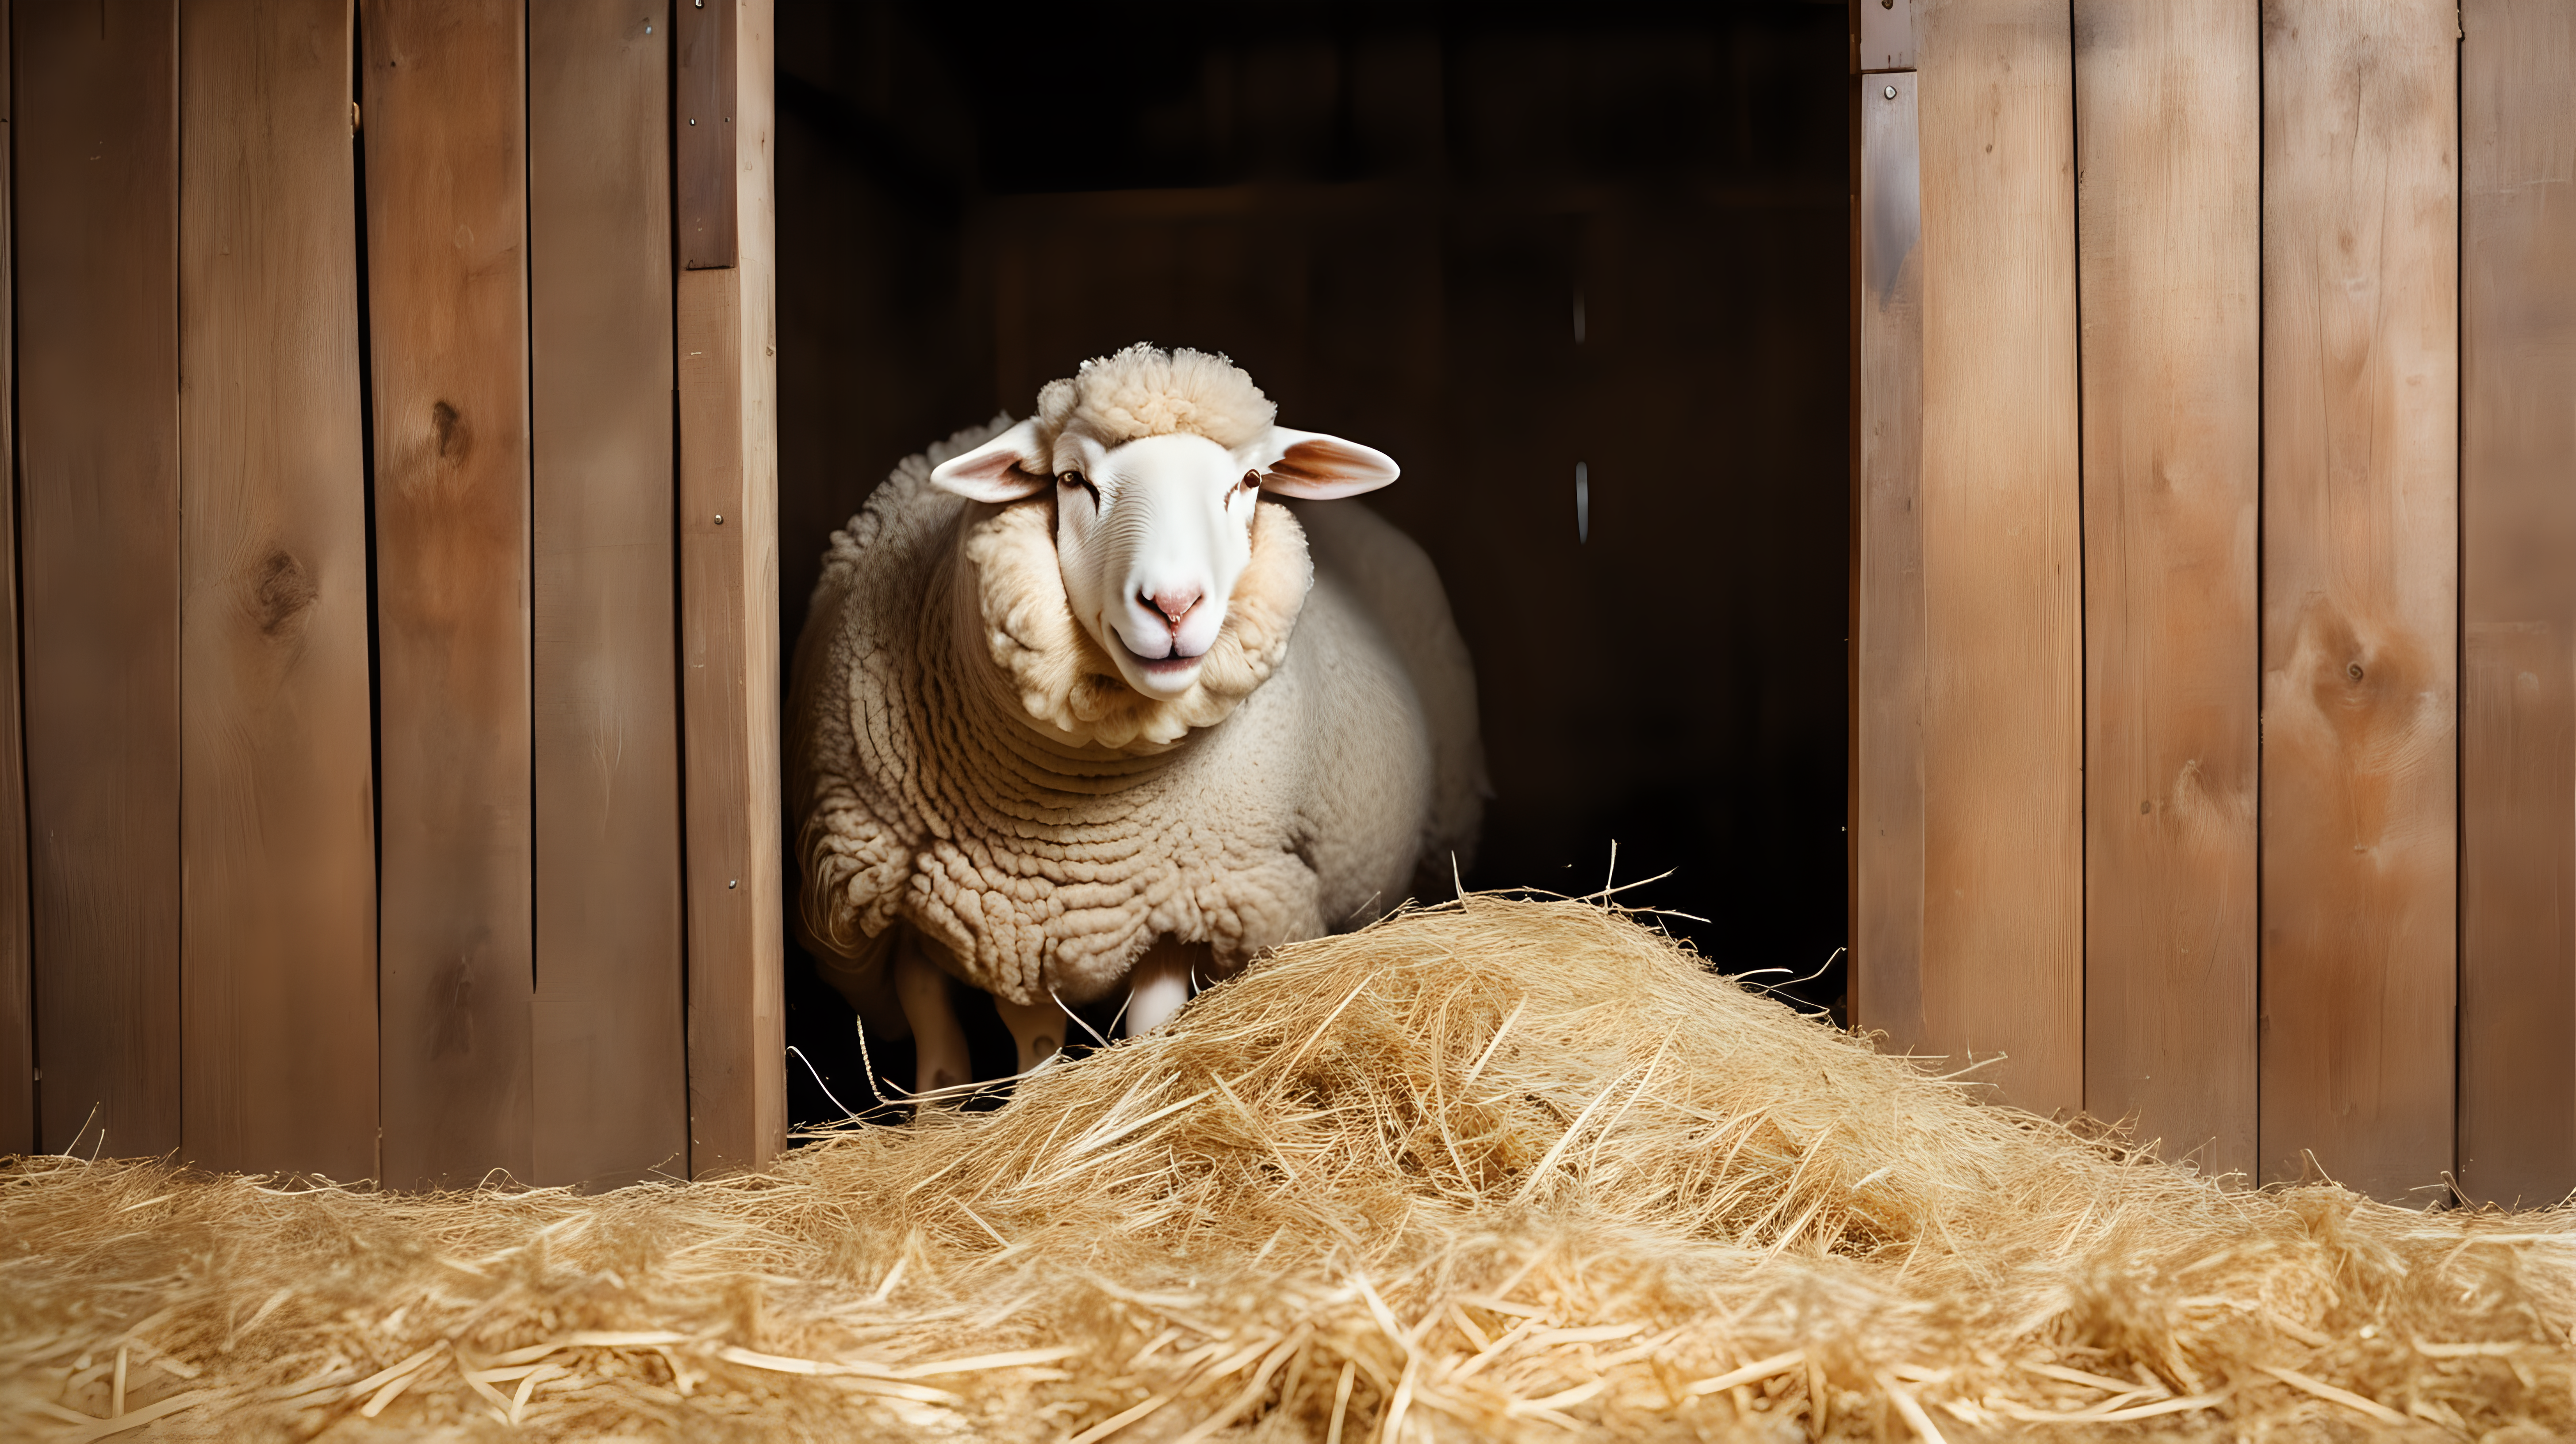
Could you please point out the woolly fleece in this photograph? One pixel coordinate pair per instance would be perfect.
(1147, 391)
(969, 764)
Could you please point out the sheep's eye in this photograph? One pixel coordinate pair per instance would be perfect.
(1251, 479)
(1075, 478)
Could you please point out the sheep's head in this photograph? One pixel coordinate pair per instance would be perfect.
(1157, 459)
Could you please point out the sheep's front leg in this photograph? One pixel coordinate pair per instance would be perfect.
(1161, 983)
(939, 1044)
(1038, 1026)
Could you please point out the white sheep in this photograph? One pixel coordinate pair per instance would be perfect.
(1051, 734)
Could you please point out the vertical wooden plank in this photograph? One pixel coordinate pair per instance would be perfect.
(2360, 526)
(277, 808)
(2003, 728)
(1886, 847)
(707, 40)
(2518, 553)
(611, 1073)
(17, 996)
(2169, 128)
(98, 382)
(729, 656)
(447, 289)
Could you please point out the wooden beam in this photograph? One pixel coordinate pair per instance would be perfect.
(448, 311)
(2360, 534)
(17, 979)
(2169, 219)
(277, 807)
(2003, 721)
(2518, 588)
(97, 95)
(729, 656)
(611, 1071)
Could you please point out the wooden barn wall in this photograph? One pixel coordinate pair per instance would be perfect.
(2324, 325)
(349, 576)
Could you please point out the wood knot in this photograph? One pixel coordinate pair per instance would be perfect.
(454, 438)
(280, 591)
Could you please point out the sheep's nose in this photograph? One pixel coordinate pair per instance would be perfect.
(1175, 604)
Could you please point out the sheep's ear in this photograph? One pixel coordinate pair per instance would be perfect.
(1005, 468)
(1318, 467)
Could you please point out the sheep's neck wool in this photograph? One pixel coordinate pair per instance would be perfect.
(1067, 686)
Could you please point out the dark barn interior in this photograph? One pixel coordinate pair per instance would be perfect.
(1510, 245)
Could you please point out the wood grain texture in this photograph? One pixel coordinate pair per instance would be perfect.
(277, 805)
(2360, 528)
(2002, 559)
(611, 1072)
(1886, 844)
(2518, 589)
(729, 659)
(96, 207)
(17, 995)
(446, 231)
(2170, 129)
(707, 41)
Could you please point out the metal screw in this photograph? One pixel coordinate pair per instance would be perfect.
(2353, 671)
(720, 518)
(733, 883)
(1886, 4)
(1890, 93)
(694, 120)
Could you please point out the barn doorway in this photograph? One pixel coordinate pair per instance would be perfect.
(1582, 270)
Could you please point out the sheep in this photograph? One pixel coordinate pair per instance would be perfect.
(1049, 733)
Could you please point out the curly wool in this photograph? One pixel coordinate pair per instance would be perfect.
(969, 765)
(1147, 391)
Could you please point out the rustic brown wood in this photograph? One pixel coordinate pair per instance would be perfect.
(2169, 125)
(1886, 843)
(2518, 551)
(17, 998)
(611, 1071)
(706, 41)
(2360, 525)
(446, 226)
(2003, 724)
(277, 811)
(729, 662)
(96, 207)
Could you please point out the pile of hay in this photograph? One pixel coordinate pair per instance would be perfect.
(1498, 1170)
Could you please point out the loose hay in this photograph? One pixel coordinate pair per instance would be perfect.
(1502, 1169)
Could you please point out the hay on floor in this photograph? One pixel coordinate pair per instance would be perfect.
(1496, 1170)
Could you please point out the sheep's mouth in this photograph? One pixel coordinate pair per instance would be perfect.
(1170, 667)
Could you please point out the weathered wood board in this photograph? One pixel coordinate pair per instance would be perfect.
(2518, 591)
(96, 94)
(611, 1076)
(2169, 127)
(446, 176)
(277, 803)
(2003, 726)
(2360, 577)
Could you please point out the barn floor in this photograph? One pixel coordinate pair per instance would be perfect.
(1502, 1169)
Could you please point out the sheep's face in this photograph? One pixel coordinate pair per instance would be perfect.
(1153, 533)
